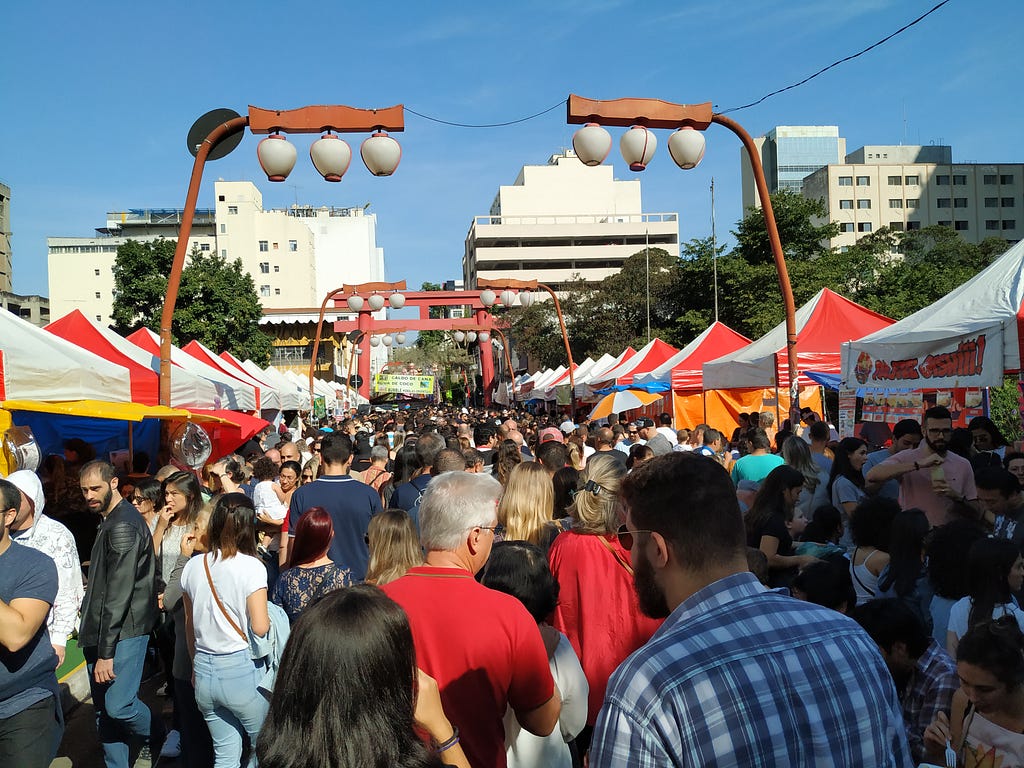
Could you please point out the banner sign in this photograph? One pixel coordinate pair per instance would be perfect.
(890, 406)
(403, 384)
(969, 361)
(847, 412)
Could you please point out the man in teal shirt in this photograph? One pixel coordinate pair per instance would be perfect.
(756, 465)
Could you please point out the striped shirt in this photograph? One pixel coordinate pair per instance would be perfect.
(739, 675)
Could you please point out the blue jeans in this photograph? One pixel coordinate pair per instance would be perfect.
(124, 723)
(226, 695)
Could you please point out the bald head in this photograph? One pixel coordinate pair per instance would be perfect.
(604, 436)
(289, 452)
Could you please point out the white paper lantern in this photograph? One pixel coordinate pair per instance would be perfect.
(396, 300)
(375, 341)
(381, 154)
(508, 298)
(525, 298)
(331, 156)
(376, 302)
(637, 146)
(277, 156)
(471, 337)
(686, 146)
(355, 303)
(592, 143)
(488, 297)
(484, 337)
(459, 337)
(400, 338)
(388, 340)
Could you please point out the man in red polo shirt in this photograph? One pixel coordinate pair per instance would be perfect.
(482, 646)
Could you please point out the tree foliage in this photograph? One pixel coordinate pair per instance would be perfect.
(795, 217)
(217, 301)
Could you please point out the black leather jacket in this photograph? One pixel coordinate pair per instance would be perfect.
(120, 600)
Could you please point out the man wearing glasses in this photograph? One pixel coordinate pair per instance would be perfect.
(932, 478)
(482, 646)
(737, 675)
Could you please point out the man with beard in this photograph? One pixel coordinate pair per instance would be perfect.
(924, 674)
(738, 674)
(118, 613)
(932, 478)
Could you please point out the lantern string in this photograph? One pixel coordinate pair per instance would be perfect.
(487, 125)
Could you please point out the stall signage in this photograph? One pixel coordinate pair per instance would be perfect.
(403, 384)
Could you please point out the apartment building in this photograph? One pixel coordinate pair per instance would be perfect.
(788, 154)
(561, 220)
(906, 188)
(6, 252)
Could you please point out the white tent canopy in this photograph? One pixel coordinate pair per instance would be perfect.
(268, 397)
(36, 365)
(970, 337)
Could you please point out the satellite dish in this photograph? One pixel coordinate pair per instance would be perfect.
(190, 445)
(201, 129)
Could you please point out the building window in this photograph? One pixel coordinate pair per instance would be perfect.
(895, 181)
(863, 204)
(223, 253)
(913, 226)
(232, 209)
(277, 268)
(991, 202)
(942, 179)
(846, 205)
(277, 291)
(275, 246)
(991, 224)
(846, 181)
(1006, 178)
(223, 229)
(99, 319)
(1006, 202)
(864, 226)
(959, 202)
(844, 249)
(945, 223)
(989, 178)
(293, 245)
(912, 203)
(846, 226)
(264, 267)
(264, 290)
(1009, 224)
(96, 272)
(960, 226)
(911, 181)
(264, 246)
(943, 202)
(97, 294)
(959, 180)
(204, 246)
(896, 226)
(895, 203)
(863, 181)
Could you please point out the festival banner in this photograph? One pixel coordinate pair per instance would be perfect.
(403, 384)
(974, 361)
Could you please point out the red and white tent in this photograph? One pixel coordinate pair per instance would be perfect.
(682, 372)
(651, 356)
(823, 325)
(266, 395)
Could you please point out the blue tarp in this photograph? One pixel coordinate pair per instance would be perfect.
(105, 435)
(654, 386)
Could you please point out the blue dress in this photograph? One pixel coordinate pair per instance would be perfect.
(298, 588)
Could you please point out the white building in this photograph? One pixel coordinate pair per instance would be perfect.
(294, 256)
(6, 254)
(906, 188)
(561, 220)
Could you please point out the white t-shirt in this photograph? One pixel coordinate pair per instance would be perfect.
(670, 434)
(267, 502)
(235, 579)
(522, 748)
(961, 610)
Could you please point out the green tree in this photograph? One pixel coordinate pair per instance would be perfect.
(622, 298)
(140, 283)
(795, 217)
(1004, 405)
(430, 341)
(217, 301)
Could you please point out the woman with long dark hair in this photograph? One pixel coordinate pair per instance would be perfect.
(506, 458)
(846, 481)
(869, 529)
(183, 498)
(348, 694)
(148, 498)
(905, 577)
(225, 593)
(407, 466)
(311, 574)
(768, 520)
(995, 571)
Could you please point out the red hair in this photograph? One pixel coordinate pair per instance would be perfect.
(313, 535)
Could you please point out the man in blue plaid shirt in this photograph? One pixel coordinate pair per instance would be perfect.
(738, 675)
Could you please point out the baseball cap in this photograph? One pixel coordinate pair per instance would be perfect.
(643, 422)
(567, 426)
(550, 433)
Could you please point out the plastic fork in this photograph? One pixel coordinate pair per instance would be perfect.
(950, 755)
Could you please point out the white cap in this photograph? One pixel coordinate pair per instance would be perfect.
(567, 426)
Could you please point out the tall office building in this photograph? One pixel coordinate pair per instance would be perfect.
(6, 252)
(560, 220)
(788, 154)
(906, 188)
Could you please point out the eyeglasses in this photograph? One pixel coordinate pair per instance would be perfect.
(943, 431)
(626, 536)
(307, 477)
(497, 530)
(138, 499)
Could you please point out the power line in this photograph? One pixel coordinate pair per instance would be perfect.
(885, 39)
(487, 125)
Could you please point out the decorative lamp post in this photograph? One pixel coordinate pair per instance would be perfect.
(686, 146)
(330, 156)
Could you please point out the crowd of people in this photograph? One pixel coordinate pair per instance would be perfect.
(491, 588)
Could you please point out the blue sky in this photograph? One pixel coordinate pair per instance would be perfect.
(98, 98)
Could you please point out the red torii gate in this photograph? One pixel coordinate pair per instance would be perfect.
(482, 320)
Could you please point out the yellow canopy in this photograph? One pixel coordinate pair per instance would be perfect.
(100, 410)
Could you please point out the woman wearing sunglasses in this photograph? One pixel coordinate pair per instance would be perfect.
(148, 498)
(597, 605)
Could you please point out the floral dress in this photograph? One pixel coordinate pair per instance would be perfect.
(298, 588)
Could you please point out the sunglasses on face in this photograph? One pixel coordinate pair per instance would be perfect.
(625, 536)
(307, 477)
